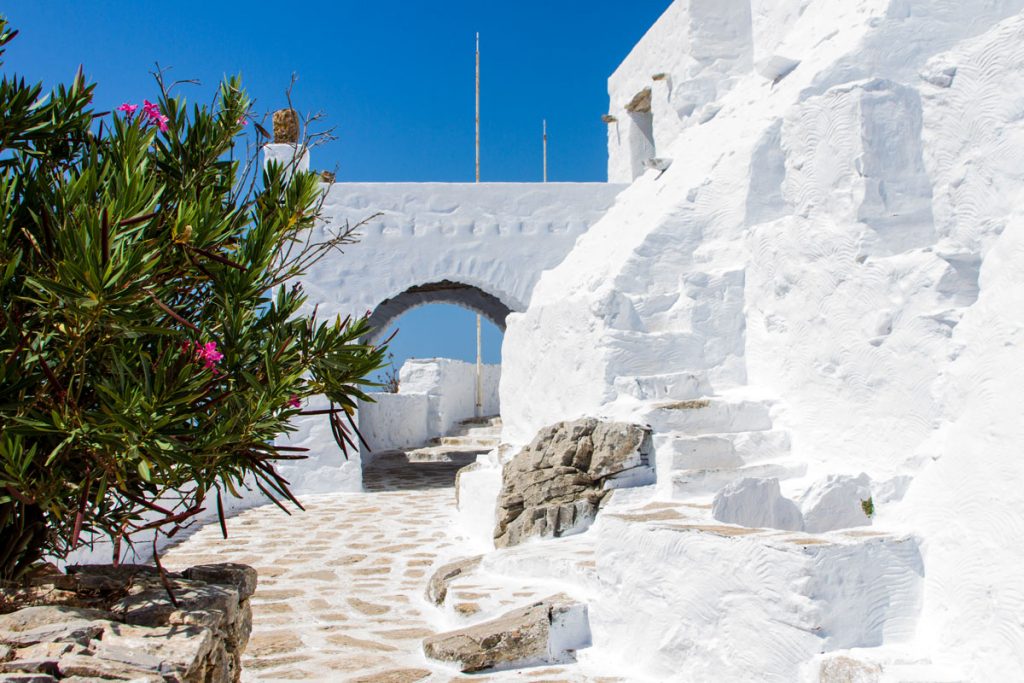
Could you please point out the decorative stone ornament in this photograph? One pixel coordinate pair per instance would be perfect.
(286, 126)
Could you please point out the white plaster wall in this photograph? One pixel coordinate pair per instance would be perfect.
(393, 422)
(688, 58)
(497, 237)
(434, 395)
(844, 240)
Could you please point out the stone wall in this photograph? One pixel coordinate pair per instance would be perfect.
(100, 622)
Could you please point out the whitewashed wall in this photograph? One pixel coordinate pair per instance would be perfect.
(840, 231)
(498, 237)
(687, 59)
(434, 395)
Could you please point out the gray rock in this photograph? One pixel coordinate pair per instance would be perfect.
(437, 587)
(547, 632)
(199, 640)
(51, 624)
(96, 667)
(30, 666)
(27, 678)
(147, 603)
(31, 618)
(555, 486)
(46, 651)
(173, 651)
(242, 577)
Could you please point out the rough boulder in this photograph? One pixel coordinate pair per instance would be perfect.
(554, 486)
(547, 632)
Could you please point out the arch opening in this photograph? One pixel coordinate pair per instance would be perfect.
(440, 292)
(437, 408)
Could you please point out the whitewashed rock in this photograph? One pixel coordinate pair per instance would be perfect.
(839, 502)
(757, 503)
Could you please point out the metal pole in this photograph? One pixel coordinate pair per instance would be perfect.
(479, 371)
(478, 107)
(479, 346)
(545, 150)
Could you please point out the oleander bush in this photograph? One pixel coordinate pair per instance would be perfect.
(153, 345)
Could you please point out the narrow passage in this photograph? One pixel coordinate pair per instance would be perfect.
(341, 586)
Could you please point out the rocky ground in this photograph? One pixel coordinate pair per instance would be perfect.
(341, 586)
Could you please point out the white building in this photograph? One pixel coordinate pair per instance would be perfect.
(814, 272)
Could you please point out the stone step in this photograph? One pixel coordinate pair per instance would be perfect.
(487, 431)
(872, 667)
(713, 415)
(675, 451)
(804, 588)
(707, 482)
(464, 455)
(678, 386)
(468, 441)
(487, 420)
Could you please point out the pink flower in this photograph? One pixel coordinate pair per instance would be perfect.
(128, 108)
(206, 353)
(294, 402)
(152, 112)
(209, 355)
(242, 120)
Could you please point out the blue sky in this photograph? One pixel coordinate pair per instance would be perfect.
(394, 78)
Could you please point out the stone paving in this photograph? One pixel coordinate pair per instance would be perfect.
(341, 592)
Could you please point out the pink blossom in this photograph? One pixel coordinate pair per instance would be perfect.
(206, 353)
(152, 112)
(128, 108)
(209, 355)
(294, 401)
(242, 120)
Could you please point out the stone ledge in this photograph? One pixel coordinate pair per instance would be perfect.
(102, 622)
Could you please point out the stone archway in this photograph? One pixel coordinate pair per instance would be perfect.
(481, 246)
(442, 292)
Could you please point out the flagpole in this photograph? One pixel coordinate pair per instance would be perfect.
(479, 345)
(545, 150)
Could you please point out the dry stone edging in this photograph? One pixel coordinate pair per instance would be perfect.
(554, 486)
(547, 632)
(437, 587)
(101, 622)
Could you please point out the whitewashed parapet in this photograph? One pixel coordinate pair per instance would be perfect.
(435, 394)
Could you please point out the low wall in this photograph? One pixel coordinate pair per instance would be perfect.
(434, 396)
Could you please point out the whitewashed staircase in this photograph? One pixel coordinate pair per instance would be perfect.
(702, 441)
(469, 438)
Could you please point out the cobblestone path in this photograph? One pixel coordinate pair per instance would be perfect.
(340, 594)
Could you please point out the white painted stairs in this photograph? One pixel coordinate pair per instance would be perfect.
(704, 441)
